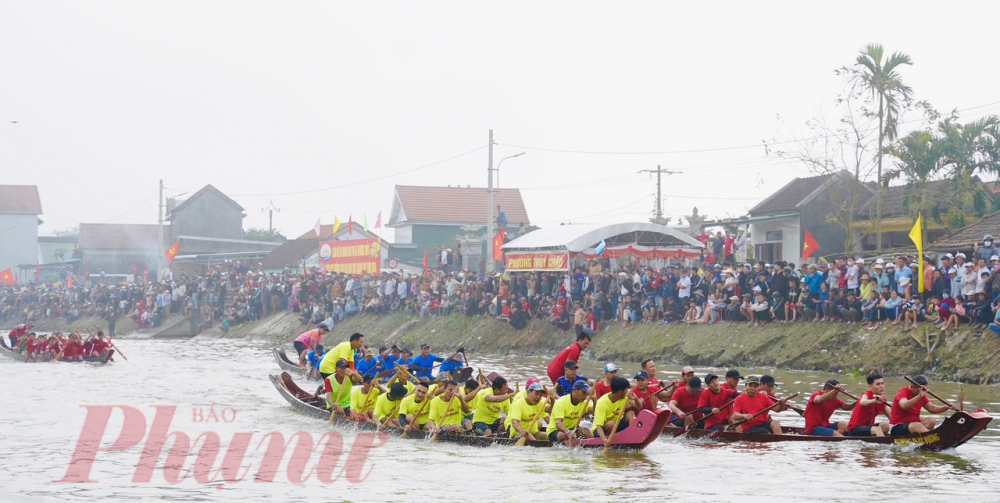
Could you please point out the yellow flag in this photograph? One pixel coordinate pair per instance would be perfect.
(917, 236)
(336, 224)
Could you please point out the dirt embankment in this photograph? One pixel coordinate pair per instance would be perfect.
(955, 356)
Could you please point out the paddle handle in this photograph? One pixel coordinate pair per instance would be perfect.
(929, 392)
(340, 393)
(389, 418)
(611, 436)
(415, 416)
(775, 404)
(524, 438)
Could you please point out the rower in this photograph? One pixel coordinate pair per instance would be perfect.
(388, 403)
(19, 331)
(470, 397)
(491, 404)
(610, 406)
(650, 367)
(604, 386)
(364, 398)
(453, 363)
(767, 386)
(871, 403)
(307, 341)
(315, 357)
(412, 404)
(566, 414)
(447, 410)
(712, 400)
(749, 403)
(406, 358)
(573, 352)
(820, 407)
(341, 352)
(343, 376)
(733, 379)
(387, 363)
(667, 390)
(366, 364)
(684, 403)
(564, 385)
(423, 364)
(905, 417)
(524, 411)
(645, 392)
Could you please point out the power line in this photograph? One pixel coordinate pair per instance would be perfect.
(131, 209)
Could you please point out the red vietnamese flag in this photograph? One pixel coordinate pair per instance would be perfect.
(7, 277)
(809, 247)
(498, 241)
(427, 269)
(145, 273)
(69, 281)
(172, 252)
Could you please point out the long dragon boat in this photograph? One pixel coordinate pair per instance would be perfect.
(100, 359)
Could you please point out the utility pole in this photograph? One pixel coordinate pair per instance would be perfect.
(159, 241)
(489, 209)
(270, 209)
(659, 192)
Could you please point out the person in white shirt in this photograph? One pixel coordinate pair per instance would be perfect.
(684, 286)
(852, 276)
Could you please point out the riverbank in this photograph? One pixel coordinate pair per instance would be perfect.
(955, 356)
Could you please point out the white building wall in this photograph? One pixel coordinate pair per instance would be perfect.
(791, 242)
(18, 240)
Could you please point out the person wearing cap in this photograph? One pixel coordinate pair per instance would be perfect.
(367, 363)
(645, 392)
(308, 341)
(341, 352)
(604, 385)
(422, 364)
(566, 415)
(413, 412)
(611, 405)
(387, 406)
(490, 405)
(333, 383)
(573, 352)
(521, 420)
(752, 402)
(564, 385)
(905, 417)
(871, 404)
(453, 362)
(714, 400)
(820, 407)
(684, 403)
(447, 410)
(733, 379)
(363, 400)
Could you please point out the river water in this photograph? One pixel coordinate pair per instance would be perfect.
(41, 414)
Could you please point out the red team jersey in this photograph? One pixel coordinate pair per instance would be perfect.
(865, 415)
(716, 401)
(745, 404)
(900, 416)
(818, 414)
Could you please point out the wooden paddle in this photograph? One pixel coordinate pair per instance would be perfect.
(946, 402)
(734, 425)
(524, 438)
(798, 410)
(340, 393)
(448, 414)
(611, 437)
(688, 427)
(406, 431)
(389, 418)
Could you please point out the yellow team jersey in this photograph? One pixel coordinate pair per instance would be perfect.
(525, 413)
(569, 413)
(607, 410)
(489, 412)
(384, 407)
(446, 413)
(345, 396)
(361, 402)
(410, 405)
(342, 351)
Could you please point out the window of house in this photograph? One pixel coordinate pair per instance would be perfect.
(773, 236)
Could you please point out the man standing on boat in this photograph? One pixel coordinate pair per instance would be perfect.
(750, 403)
(820, 407)
(573, 352)
(870, 405)
(343, 351)
(308, 341)
(905, 417)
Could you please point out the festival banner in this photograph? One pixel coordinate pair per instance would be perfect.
(537, 262)
(359, 256)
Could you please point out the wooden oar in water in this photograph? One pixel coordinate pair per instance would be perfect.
(406, 431)
(929, 392)
(611, 437)
(448, 414)
(734, 425)
(389, 418)
(688, 427)
(340, 393)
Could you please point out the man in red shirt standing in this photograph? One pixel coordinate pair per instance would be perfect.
(712, 401)
(870, 405)
(820, 407)
(752, 402)
(684, 403)
(573, 352)
(729, 247)
(905, 417)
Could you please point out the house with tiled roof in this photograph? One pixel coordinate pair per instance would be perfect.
(20, 206)
(119, 250)
(426, 218)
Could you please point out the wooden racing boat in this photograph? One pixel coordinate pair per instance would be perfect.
(285, 363)
(953, 432)
(100, 359)
(646, 429)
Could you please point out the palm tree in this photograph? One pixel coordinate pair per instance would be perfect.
(885, 84)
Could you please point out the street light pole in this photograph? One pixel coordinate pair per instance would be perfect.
(501, 162)
(159, 240)
(489, 208)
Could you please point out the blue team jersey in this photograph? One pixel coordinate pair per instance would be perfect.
(452, 365)
(314, 359)
(564, 387)
(364, 367)
(425, 363)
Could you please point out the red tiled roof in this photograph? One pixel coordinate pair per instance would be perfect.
(459, 204)
(122, 236)
(788, 198)
(20, 199)
(993, 187)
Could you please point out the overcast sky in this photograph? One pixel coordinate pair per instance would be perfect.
(320, 106)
